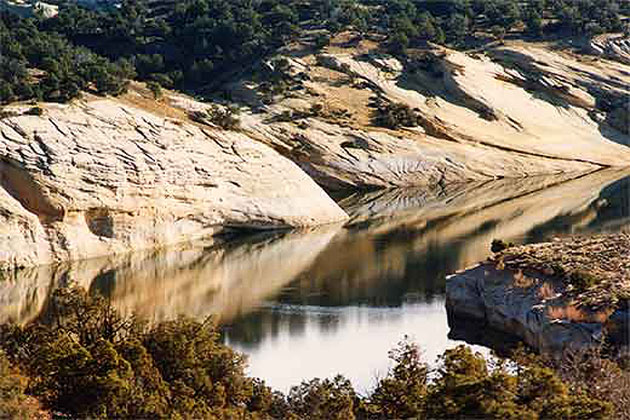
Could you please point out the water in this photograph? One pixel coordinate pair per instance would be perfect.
(336, 299)
(384, 276)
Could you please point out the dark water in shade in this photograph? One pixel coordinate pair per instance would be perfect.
(336, 299)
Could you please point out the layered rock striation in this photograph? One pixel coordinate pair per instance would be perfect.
(100, 177)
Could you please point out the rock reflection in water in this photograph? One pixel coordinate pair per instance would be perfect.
(194, 281)
(305, 304)
(400, 244)
(384, 275)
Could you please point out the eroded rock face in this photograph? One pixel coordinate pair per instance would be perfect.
(527, 306)
(98, 178)
(22, 237)
(615, 46)
(512, 111)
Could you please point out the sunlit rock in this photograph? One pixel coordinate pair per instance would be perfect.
(98, 178)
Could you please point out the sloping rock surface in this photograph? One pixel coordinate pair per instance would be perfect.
(614, 46)
(98, 178)
(511, 111)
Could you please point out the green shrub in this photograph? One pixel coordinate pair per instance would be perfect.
(86, 361)
(14, 403)
(83, 360)
(323, 400)
(402, 393)
(155, 88)
(467, 388)
(498, 245)
(582, 280)
(36, 111)
(224, 117)
(395, 115)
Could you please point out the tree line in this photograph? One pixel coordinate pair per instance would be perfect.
(198, 45)
(36, 64)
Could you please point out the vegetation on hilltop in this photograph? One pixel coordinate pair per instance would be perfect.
(594, 268)
(81, 359)
(43, 65)
(197, 45)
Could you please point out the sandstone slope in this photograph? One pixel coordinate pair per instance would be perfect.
(100, 177)
(510, 111)
(107, 176)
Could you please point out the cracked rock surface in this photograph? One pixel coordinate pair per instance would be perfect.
(99, 177)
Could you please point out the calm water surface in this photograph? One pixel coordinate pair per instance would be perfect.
(336, 299)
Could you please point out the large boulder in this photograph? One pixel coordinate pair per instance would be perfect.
(497, 302)
(100, 177)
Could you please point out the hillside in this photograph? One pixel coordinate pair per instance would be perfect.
(238, 121)
(511, 110)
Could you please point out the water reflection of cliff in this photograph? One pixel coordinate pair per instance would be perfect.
(194, 281)
(397, 248)
(400, 244)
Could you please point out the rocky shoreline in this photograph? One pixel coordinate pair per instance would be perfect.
(568, 293)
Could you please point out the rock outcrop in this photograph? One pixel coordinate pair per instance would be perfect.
(100, 177)
(29, 9)
(615, 46)
(569, 293)
(510, 111)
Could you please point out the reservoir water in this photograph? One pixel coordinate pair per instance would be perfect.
(336, 299)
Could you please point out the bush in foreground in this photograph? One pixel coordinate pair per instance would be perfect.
(14, 403)
(83, 360)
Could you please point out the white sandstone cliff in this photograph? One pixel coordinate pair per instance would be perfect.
(99, 177)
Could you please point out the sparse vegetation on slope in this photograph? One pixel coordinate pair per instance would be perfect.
(395, 115)
(595, 269)
(198, 45)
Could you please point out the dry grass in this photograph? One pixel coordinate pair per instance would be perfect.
(595, 270)
(522, 281)
(600, 377)
(546, 291)
(574, 314)
(141, 97)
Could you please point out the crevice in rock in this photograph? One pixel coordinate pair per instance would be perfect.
(100, 222)
(23, 188)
